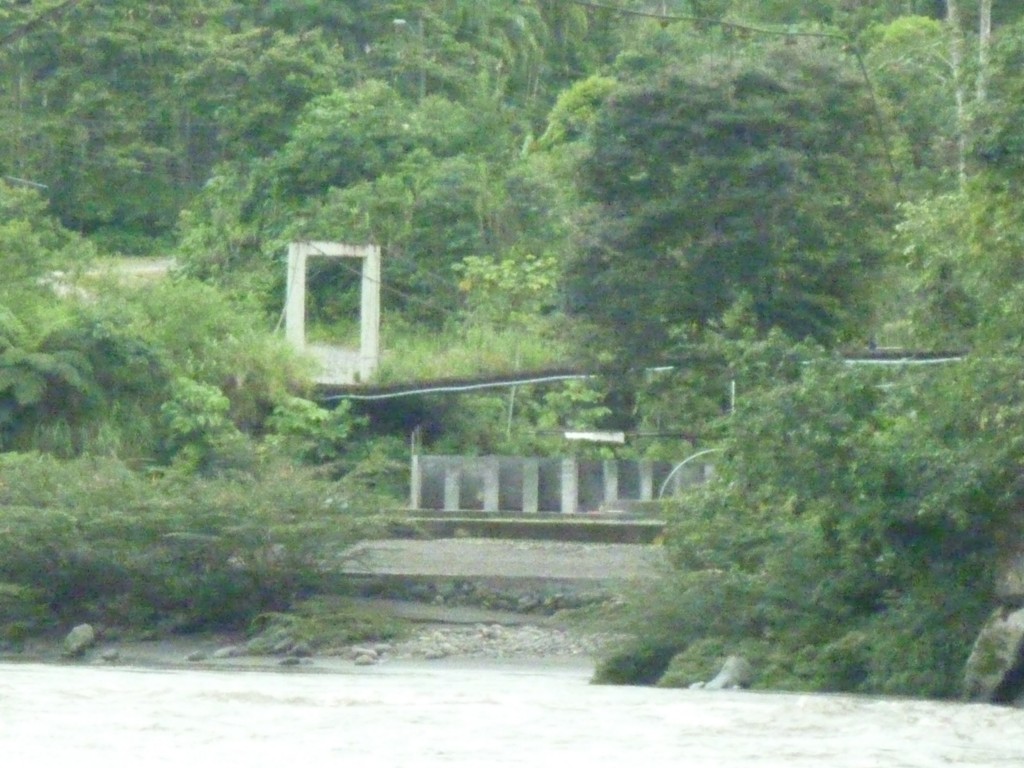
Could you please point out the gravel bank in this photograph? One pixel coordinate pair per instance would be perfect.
(494, 642)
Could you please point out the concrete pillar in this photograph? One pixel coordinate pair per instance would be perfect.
(416, 483)
(492, 483)
(679, 481)
(646, 469)
(570, 487)
(531, 486)
(295, 296)
(369, 314)
(452, 487)
(611, 481)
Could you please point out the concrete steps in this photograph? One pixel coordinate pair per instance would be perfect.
(591, 528)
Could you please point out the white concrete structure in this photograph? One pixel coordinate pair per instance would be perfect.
(345, 369)
(552, 485)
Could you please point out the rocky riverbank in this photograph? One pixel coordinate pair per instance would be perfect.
(432, 633)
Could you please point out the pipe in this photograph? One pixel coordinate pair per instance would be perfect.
(682, 464)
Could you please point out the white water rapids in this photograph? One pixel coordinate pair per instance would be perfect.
(459, 714)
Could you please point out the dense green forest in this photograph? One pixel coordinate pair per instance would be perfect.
(694, 197)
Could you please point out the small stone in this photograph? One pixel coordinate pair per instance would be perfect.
(302, 650)
(196, 656)
(290, 661)
(110, 655)
(366, 660)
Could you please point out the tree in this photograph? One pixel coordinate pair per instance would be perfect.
(999, 145)
(848, 540)
(752, 182)
(910, 70)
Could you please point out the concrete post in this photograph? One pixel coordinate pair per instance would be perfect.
(295, 296)
(492, 484)
(611, 481)
(369, 315)
(570, 487)
(416, 483)
(646, 481)
(452, 488)
(531, 486)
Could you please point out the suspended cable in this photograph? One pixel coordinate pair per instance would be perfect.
(445, 388)
(390, 289)
(32, 24)
(848, 46)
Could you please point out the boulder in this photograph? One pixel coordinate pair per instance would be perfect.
(228, 652)
(80, 639)
(302, 649)
(736, 673)
(995, 668)
(1010, 580)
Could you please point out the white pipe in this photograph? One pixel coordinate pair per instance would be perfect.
(683, 463)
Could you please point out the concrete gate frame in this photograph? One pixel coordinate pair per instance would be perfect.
(369, 299)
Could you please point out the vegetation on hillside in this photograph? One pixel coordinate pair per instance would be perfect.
(694, 195)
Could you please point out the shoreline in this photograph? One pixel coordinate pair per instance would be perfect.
(434, 645)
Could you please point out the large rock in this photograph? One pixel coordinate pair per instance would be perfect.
(1010, 581)
(736, 673)
(995, 668)
(79, 640)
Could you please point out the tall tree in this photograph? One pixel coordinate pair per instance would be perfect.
(756, 183)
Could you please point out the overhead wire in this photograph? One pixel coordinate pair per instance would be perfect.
(469, 387)
(391, 289)
(848, 46)
(30, 26)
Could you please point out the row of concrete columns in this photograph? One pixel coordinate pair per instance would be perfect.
(531, 485)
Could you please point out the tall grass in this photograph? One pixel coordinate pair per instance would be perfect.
(410, 353)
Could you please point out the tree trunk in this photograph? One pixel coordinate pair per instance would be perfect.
(956, 58)
(984, 41)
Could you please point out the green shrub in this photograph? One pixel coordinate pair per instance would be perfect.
(851, 528)
(325, 622)
(699, 662)
(637, 664)
(92, 539)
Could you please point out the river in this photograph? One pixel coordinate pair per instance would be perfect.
(459, 714)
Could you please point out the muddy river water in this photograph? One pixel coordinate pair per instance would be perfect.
(465, 714)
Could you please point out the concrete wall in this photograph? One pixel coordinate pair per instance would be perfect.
(531, 485)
